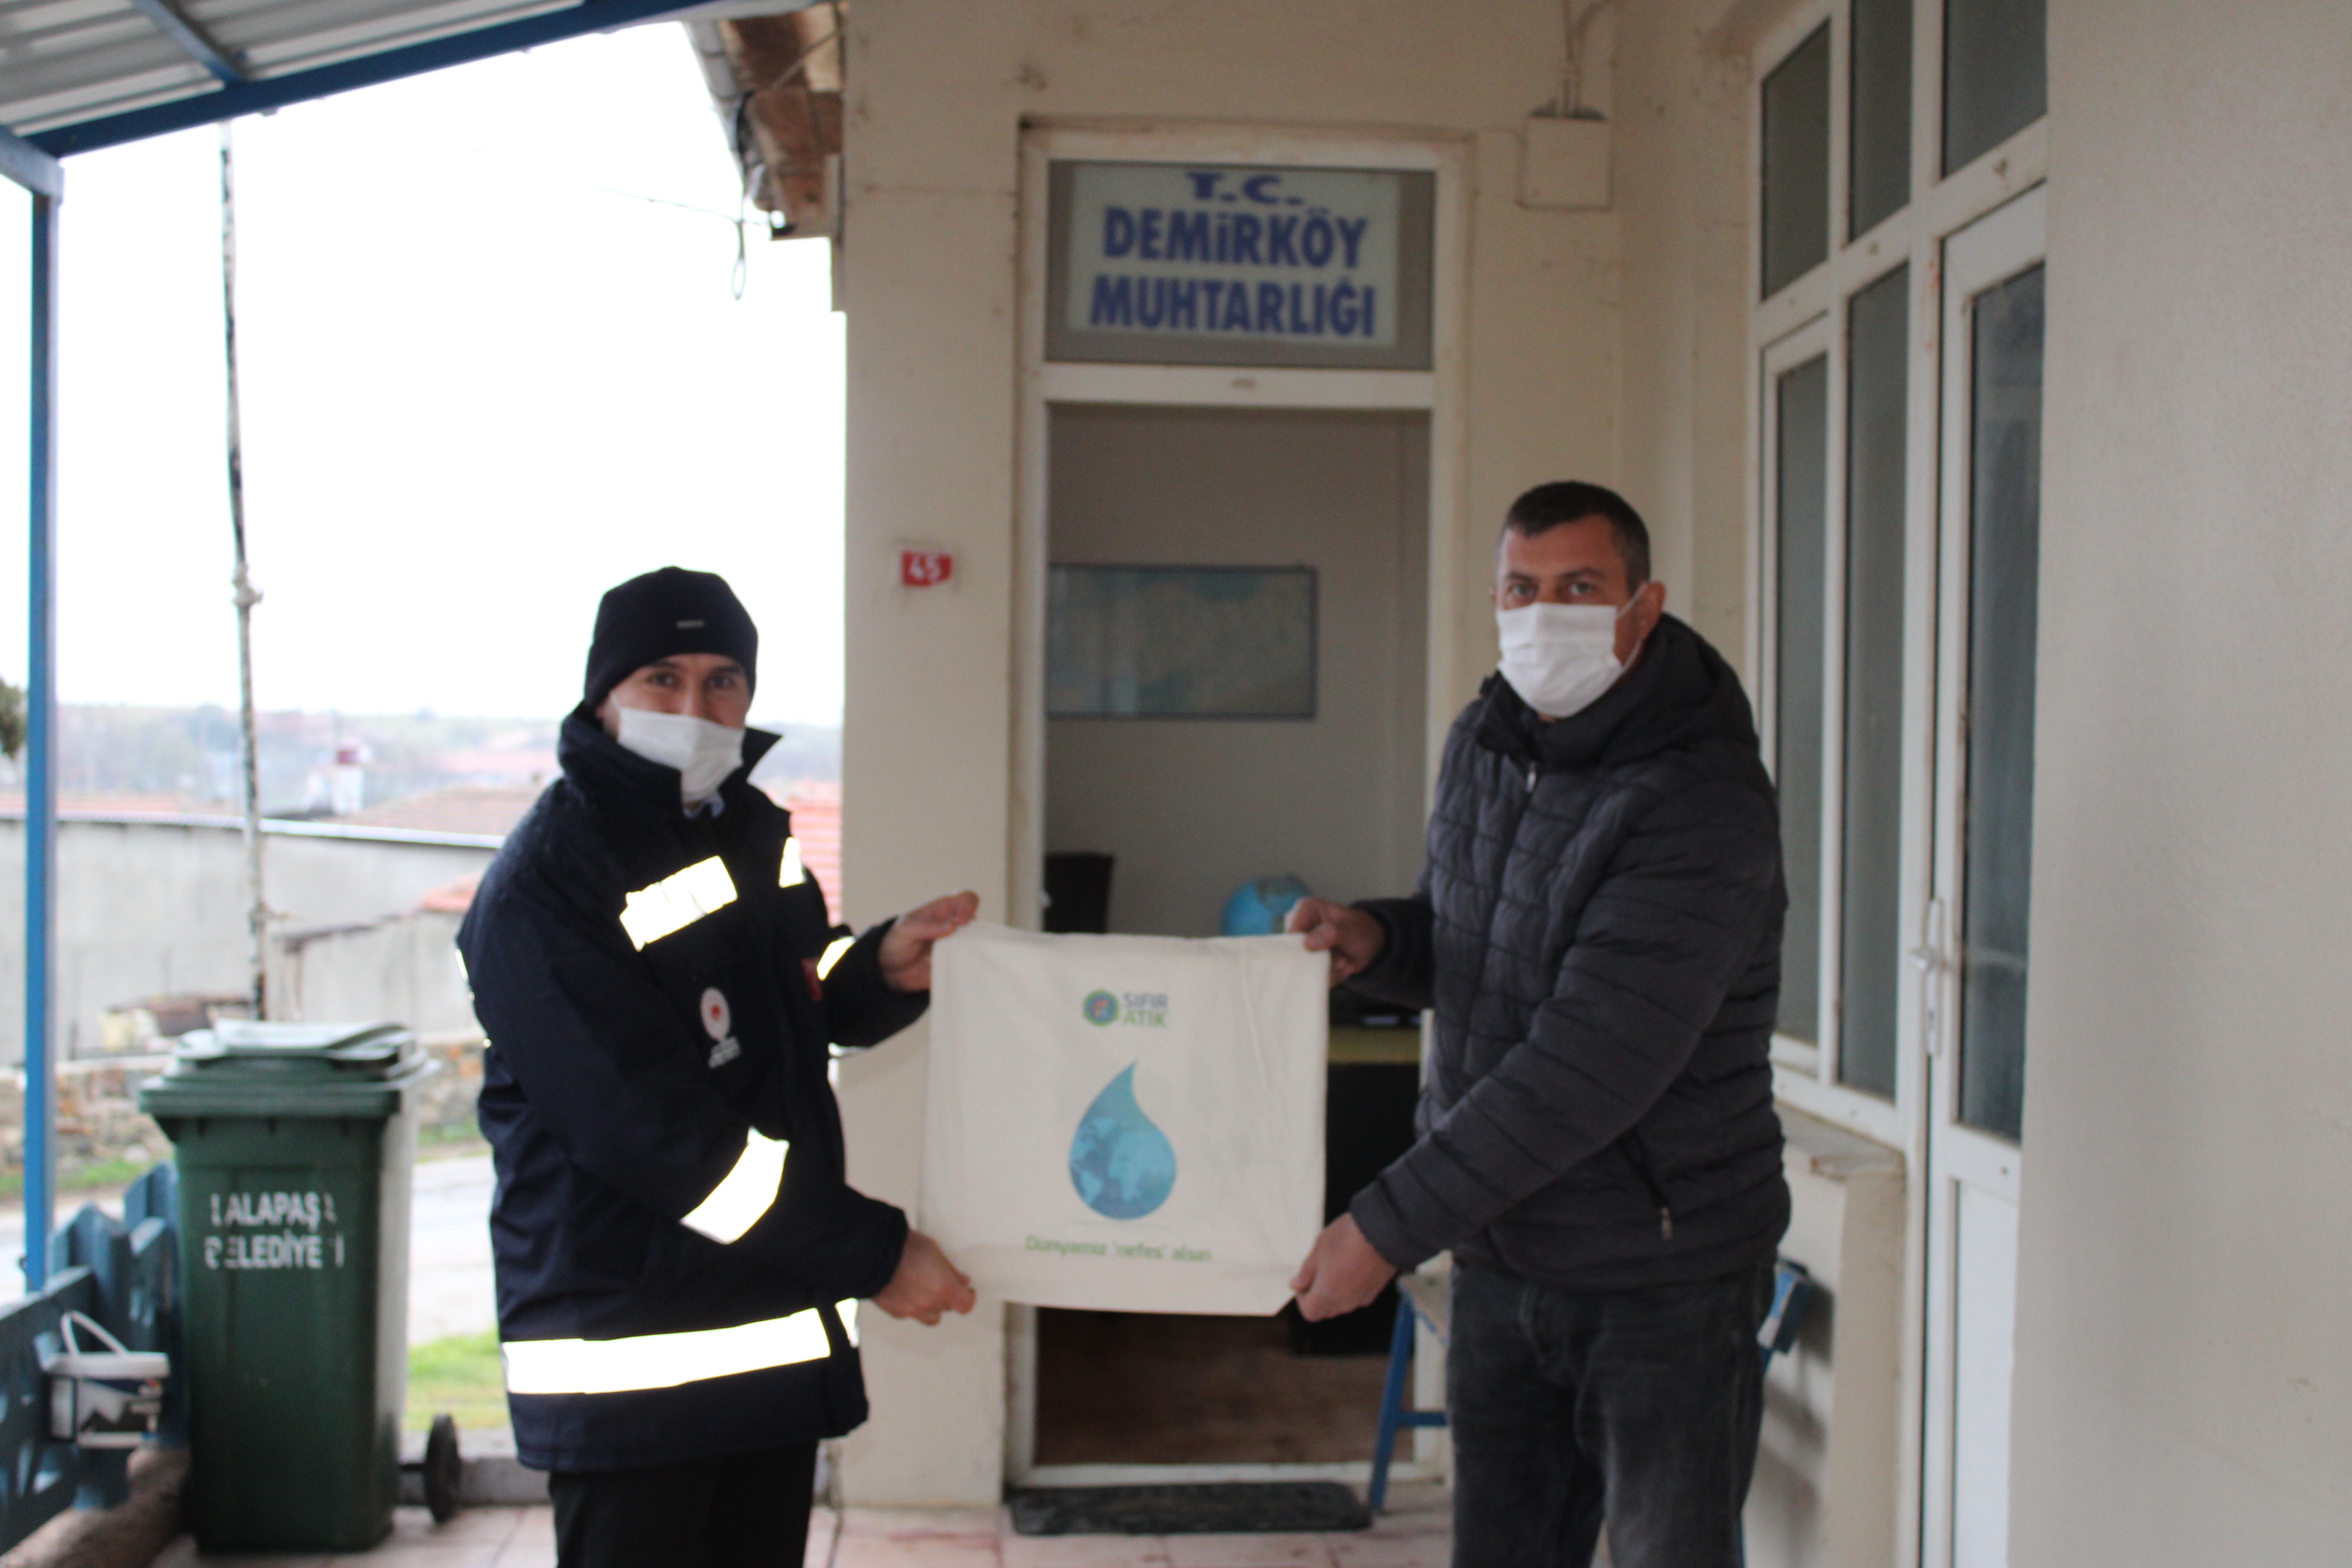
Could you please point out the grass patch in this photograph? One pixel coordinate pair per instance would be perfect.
(461, 1375)
(95, 1176)
(441, 1143)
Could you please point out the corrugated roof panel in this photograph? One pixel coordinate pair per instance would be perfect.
(332, 30)
(56, 54)
(64, 61)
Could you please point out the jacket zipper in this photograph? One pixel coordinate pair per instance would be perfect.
(1638, 1156)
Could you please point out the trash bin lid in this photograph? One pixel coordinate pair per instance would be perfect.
(250, 1041)
(288, 1069)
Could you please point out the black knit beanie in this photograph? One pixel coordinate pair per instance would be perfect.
(663, 613)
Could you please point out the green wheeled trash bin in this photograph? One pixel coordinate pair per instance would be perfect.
(295, 1143)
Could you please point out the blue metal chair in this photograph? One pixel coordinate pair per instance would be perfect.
(1419, 1296)
(1793, 1293)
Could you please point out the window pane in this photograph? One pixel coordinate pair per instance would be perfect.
(1879, 144)
(1870, 883)
(1996, 74)
(1801, 512)
(1797, 163)
(2004, 559)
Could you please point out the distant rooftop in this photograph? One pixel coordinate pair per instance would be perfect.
(815, 806)
(72, 804)
(491, 810)
(475, 815)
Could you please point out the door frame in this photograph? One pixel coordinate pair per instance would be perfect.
(2010, 239)
(1439, 391)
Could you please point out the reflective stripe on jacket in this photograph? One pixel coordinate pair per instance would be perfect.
(678, 1253)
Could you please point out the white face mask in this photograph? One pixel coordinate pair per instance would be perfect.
(703, 752)
(1560, 659)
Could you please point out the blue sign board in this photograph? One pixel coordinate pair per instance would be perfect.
(1239, 264)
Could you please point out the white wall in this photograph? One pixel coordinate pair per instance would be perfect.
(1190, 808)
(405, 968)
(1682, 190)
(2187, 1244)
(938, 92)
(2184, 1351)
(145, 909)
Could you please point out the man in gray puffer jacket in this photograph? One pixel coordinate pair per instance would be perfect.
(1598, 929)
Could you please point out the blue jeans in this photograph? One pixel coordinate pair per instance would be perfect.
(1639, 1407)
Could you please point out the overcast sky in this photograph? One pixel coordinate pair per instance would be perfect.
(478, 389)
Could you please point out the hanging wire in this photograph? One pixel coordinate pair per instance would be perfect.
(800, 63)
(741, 222)
(746, 144)
(741, 276)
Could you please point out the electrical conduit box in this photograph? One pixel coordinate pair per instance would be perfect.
(1564, 163)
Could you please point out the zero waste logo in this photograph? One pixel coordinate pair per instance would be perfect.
(1121, 1162)
(1102, 1009)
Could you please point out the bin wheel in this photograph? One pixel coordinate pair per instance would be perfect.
(442, 1468)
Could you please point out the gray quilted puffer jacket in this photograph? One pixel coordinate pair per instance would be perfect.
(1599, 930)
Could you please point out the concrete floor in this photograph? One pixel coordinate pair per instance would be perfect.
(450, 1292)
(1416, 1535)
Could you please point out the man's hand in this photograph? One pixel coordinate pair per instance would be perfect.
(1342, 1273)
(906, 955)
(1351, 937)
(926, 1284)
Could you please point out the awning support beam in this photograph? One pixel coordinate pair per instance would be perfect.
(31, 167)
(259, 95)
(194, 42)
(39, 174)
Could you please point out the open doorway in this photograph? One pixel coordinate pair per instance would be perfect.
(1186, 788)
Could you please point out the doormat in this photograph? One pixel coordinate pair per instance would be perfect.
(1215, 1507)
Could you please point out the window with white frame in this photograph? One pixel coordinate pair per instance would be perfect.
(1881, 127)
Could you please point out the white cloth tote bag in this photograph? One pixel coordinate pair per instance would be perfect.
(1131, 1123)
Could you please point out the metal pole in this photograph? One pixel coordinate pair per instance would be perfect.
(246, 598)
(40, 752)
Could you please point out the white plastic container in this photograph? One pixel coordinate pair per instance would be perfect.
(103, 1398)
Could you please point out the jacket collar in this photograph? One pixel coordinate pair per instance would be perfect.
(608, 771)
(1678, 691)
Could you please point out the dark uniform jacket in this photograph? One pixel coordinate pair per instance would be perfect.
(679, 1255)
(1598, 927)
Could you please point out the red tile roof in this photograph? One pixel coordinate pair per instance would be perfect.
(11, 803)
(451, 897)
(815, 806)
(490, 809)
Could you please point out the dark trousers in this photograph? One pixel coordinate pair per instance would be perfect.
(745, 1511)
(1636, 1407)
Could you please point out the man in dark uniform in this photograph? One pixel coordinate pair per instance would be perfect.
(679, 1256)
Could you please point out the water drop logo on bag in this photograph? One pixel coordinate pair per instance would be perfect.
(1121, 1163)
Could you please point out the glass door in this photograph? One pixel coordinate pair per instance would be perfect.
(1976, 949)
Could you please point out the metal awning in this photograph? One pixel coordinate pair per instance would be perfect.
(76, 75)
